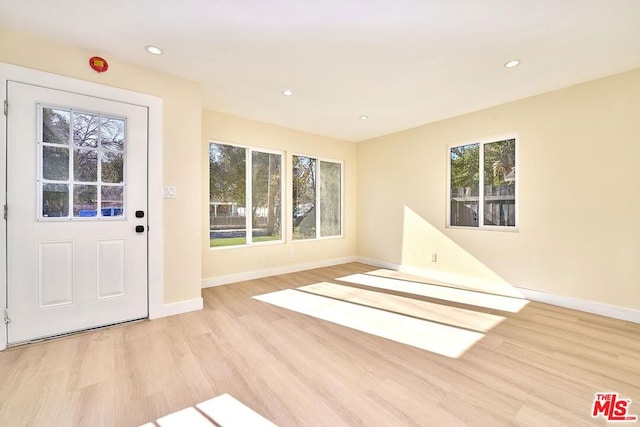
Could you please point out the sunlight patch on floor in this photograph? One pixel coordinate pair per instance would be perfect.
(224, 410)
(442, 339)
(475, 298)
(440, 313)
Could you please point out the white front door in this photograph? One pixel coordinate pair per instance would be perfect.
(77, 212)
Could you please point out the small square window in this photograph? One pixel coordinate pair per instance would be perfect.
(482, 185)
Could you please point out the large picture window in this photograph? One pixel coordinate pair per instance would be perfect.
(245, 195)
(317, 198)
(482, 184)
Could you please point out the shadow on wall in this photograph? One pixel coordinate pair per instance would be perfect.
(429, 253)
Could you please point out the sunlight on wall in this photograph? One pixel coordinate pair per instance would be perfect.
(454, 265)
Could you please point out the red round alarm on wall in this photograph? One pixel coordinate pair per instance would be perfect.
(98, 64)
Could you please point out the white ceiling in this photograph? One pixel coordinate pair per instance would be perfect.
(403, 63)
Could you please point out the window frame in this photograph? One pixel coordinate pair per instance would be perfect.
(249, 149)
(481, 200)
(318, 207)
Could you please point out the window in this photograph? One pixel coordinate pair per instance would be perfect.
(482, 183)
(245, 195)
(81, 164)
(317, 186)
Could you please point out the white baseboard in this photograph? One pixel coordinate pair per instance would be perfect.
(378, 263)
(615, 312)
(182, 307)
(257, 274)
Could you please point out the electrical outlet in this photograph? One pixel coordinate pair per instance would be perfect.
(434, 257)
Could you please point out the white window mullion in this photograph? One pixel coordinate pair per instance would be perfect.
(481, 184)
(282, 201)
(99, 171)
(342, 198)
(318, 198)
(516, 187)
(70, 180)
(249, 198)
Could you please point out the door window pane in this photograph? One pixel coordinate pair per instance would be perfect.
(85, 130)
(112, 201)
(55, 126)
(85, 165)
(55, 200)
(304, 198)
(227, 195)
(55, 163)
(112, 167)
(85, 200)
(266, 189)
(330, 198)
(112, 134)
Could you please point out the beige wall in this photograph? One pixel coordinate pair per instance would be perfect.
(238, 260)
(579, 171)
(181, 147)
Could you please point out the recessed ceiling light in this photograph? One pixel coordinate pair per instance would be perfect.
(512, 63)
(364, 117)
(153, 49)
(287, 92)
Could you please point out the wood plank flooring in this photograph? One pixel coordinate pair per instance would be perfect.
(537, 367)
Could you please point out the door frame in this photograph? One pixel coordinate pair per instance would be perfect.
(154, 177)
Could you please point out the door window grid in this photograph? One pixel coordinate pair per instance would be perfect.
(81, 160)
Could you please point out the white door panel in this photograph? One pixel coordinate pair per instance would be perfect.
(74, 257)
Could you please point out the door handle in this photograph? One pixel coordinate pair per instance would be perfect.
(139, 228)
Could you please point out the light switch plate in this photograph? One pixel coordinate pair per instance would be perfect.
(169, 192)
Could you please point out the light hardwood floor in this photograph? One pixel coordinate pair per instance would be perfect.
(540, 367)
